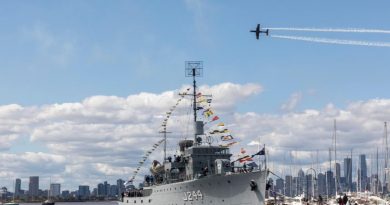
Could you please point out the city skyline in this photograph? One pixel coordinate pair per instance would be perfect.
(34, 192)
(85, 85)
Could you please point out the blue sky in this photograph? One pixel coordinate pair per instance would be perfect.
(58, 52)
(64, 52)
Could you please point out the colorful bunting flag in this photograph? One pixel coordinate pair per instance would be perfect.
(229, 144)
(208, 112)
(215, 118)
(245, 159)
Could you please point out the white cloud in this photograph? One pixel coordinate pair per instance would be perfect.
(106, 136)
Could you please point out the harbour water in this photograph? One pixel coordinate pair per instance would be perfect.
(77, 203)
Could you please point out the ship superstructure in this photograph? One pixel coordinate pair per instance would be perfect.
(201, 174)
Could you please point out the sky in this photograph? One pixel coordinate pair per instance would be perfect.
(85, 84)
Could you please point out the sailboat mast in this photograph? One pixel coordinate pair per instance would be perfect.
(386, 157)
(329, 185)
(350, 186)
(335, 156)
(377, 171)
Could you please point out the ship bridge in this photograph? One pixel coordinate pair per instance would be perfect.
(206, 160)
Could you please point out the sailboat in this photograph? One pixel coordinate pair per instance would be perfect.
(13, 199)
(11, 203)
(49, 201)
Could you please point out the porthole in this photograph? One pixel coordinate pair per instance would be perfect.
(142, 201)
(135, 201)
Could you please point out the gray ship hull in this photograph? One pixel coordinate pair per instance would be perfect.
(233, 189)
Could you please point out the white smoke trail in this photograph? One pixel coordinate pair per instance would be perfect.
(334, 41)
(341, 30)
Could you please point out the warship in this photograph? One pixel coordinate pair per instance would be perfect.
(203, 173)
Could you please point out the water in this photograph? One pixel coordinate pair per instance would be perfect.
(77, 203)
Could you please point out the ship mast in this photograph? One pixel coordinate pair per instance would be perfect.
(194, 69)
(194, 89)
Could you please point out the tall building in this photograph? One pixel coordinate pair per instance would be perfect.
(65, 194)
(279, 187)
(121, 185)
(106, 189)
(33, 186)
(348, 173)
(321, 184)
(83, 192)
(94, 192)
(294, 186)
(113, 190)
(288, 186)
(55, 190)
(309, 186)
(362, 173)
(18, 189)
(301, 182)
(330, 183)
(100, 190)
(338, 177)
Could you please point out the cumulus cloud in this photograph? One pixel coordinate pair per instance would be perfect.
(105, 136)
(227, 95)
